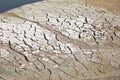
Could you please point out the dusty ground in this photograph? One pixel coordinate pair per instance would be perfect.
(112, 5)
(59, 40)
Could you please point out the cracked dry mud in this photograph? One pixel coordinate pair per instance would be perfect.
(59, 40)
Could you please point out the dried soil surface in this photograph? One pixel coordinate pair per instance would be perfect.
(112, 5)
(59, 40)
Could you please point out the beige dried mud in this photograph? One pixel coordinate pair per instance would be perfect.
(60, 40)
(112, 5)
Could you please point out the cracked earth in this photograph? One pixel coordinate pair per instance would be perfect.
(59, 40)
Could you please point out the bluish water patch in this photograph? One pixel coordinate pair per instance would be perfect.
(10, 4)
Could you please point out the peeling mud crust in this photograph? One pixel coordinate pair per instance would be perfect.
(59, 40)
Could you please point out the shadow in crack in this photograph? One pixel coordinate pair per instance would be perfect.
(10, 4)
